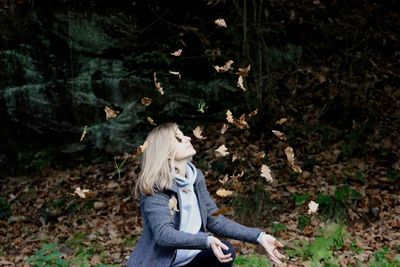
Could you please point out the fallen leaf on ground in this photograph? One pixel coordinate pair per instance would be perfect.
(312, 207)
(198, 132)
(83, 133)
(81, 192)
(146, 101)
(158, 84)
(279, 134)
(151, 121)
(225, 67)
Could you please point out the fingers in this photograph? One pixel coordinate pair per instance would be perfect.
(278, 244)
(222, 245)
(217, 247)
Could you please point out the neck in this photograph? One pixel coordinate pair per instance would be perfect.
(180, 167)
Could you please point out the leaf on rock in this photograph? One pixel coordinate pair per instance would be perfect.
(224, 128)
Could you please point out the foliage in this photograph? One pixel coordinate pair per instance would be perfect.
(323, 247)
(336, 206)
(381, 259)
(252, 261)
(50, 255)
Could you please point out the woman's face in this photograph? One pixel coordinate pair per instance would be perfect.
(184, 149)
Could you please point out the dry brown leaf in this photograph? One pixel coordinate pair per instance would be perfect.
(234, 157)
(291, 160)
(177, 53)
(175, 73)
(225, 67)
(110, 113)
(95, 260)
(241, 122)
(240, 83)
(158, 84)
(198, 132)
(253, 113)
(221, 23)
(83, 133)
(224, 128)
(279, 134)
(312, 207)
(266, 173)
(243, 72)
(222, 151)
(81, 192)
(229, 116)
(281, 121)
(224, 193)
(224, 180)
(151, 121)
(146, 101)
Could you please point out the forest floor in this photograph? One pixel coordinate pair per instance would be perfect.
(360, 190)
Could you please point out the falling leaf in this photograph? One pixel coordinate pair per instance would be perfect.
(224, 180)
(229, 116)
(240, 83)
(83, 133)
(222, 211)
(146, 101)
(279, 134)
(81, 193)
(253, 113)
(290, 157)
(220, 22)
(222, 151)
(266, 173)
(243, 72)
(281, 121)
(224, 193)
(175, 73)
(201, 106)
(150, 120)
(198, 132)
(260, 156)
(224, 128)
(158, 84)
(234, 157)
(110, 113)
(225, 67)
(241, 122)
(312, 207)
(177, 53)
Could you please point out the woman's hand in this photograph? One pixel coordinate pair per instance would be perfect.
(217, 246)
(271, 245)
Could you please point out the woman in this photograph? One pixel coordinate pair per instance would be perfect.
(177, 210)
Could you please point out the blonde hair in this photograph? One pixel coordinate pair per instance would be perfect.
(155, 173)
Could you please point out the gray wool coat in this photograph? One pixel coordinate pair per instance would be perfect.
(161, 236)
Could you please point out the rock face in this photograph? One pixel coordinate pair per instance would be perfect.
(60, 67)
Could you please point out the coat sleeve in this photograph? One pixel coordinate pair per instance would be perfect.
(156, 208)
(222, 226)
